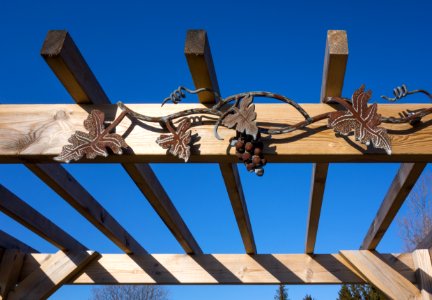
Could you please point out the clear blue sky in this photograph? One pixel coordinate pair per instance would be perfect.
(136, 51)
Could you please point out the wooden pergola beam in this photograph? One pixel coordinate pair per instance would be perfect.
(200, 62)
(423, 270)
(9, 242)
(67, 187)
(70, 69)
(10, 267)
(401, 186)
(224, 269)
(20, 122)
(23, 213)
(381, 275)
(52, 274)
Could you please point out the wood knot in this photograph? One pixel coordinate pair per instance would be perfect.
(61, 115)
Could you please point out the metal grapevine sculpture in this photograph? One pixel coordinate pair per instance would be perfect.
(353, 116)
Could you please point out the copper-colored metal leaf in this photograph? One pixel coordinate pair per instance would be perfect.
(178, 141)
(361, 119)
(243, 118)
(93, 143)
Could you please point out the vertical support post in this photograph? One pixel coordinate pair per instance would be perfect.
(10, 268)
(423, 265)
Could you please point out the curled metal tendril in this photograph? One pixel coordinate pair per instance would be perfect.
(177, 95)
(400, 92)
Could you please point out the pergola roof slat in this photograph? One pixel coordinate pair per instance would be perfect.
(9, 242)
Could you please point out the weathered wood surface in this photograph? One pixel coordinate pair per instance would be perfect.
(381, 275)
(9, 242)
(223, 269)
(38, 132)
(400, 188)
(52, 274)
(319, 176)
(423, 265)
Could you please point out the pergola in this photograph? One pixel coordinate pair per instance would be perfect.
(35, 134)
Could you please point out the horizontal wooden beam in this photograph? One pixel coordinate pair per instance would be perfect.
(223, 269)
(36, 133)
(9, 242)
(66, 61)
(64, 184)
(23, 213)
(401, 186)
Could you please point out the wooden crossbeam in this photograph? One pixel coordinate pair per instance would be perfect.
(150, 186)
(335, 60)
(200, 62)
(23, 213)
(9, 242)
(66, 61)
(319, 176)
(401, 186)
(423, 265)
(20, 123)
(91, 92)
(224, 269)
(381, 275)
(56, 270)
(64, 184)
(10, 268)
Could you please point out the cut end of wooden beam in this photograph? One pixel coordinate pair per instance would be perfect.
(196, 41)
(54, 42)
(337, 42)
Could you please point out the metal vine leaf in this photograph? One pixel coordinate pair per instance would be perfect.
(93, 143)
(361, 119)
(243, 118)
(178, 141)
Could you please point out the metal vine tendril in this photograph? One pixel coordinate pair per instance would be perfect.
(238, 112)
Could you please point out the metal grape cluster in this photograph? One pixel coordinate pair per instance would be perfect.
(237, 112)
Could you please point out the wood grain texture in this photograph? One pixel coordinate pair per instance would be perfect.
(401, 186)
(223, 269)
(23, 213)
(234, 188)
(335, 61)
(147, 182)
(67, 187)
(36, 133)
(55, 271)
(9, 242)
(381, 275)
(319, 176)
(423, 265)
(10, 268)
(200, 62)
(66, 61)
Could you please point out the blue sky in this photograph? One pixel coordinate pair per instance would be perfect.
(136, 51)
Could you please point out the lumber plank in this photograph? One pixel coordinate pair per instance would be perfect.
(37, 133)
(9, 242)
(58, 269)
(201, 67)
(10, 268)
(234, 188)
(67, 187)
(223, 269)
(23, 213)
(66, 61)
(335, 61)
(401, 186)
(423, 265)
(147, 182)
(381, 275)
(200, 62)
(319, 177)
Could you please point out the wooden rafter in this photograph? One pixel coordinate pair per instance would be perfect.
(200, 62)
(224, 269)
(9, 242)
(10, 267)
(91, 92)
(56, 270)
(401, 186)
(23, 213)
(64, 184)
(381, 275)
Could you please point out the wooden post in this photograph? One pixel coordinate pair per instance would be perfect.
(201, 67)
(10, 268)
(423, 265)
